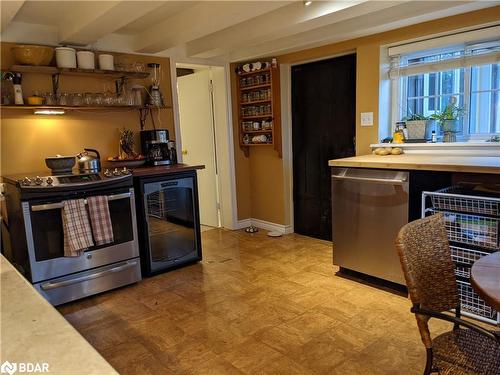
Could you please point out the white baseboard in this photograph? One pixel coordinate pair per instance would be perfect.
(240, 224)
(267, 225)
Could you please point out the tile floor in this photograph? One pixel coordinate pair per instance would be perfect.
(254, 305)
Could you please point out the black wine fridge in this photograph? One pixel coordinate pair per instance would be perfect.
(169, 221)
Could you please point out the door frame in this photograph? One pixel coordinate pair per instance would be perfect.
(228, 207)
(286, 131)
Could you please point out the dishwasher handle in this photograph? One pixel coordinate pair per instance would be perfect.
(386, 181)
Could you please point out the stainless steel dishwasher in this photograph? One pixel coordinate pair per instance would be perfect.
(369, 207)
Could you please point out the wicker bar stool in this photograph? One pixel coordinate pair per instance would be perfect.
(428, 268)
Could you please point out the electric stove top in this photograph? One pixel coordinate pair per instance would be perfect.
(73, 180)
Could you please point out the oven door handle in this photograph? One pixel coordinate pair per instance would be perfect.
(53, 206)
(61, 284)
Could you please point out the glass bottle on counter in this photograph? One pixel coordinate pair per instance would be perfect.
(398, 136)
(433, 137)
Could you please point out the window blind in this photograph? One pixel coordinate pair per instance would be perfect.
(447, 59)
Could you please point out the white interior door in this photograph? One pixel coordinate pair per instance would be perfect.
(197, 136)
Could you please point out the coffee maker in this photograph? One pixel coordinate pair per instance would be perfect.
(154, 145)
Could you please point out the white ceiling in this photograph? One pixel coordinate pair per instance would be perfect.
(214, 30)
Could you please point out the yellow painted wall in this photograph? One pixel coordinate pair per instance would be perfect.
(26, 139)
(259, 177)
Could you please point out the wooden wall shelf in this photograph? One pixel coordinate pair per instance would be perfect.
(262, 86)
(77, 72)
(56, 73)
(69, 108)
(248, 95)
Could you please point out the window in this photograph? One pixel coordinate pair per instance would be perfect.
(425, 82)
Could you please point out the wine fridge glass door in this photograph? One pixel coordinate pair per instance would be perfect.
(170, 217)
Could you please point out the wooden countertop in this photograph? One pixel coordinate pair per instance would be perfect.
(467, 164)
(163, 169)
(34, 331)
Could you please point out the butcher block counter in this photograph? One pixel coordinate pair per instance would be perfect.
(163, 169)
(463, 164)
(158, 170)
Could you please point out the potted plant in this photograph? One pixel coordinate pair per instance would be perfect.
(416, 125)
(449, 120)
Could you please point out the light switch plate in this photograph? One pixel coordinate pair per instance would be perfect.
(366, 118)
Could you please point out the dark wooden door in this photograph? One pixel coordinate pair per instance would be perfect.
(323, 126)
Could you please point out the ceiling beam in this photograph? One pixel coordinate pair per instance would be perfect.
(199, 20)
(288, 20)
(9, 10)
(101, 18)
(409, 13)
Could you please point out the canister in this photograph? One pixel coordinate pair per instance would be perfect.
(85, 59)
(65, 57)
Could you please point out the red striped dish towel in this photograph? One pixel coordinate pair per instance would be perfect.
(100, 219)
(76, 228)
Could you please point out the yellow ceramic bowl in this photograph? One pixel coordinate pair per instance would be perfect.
(35, 100)
(33, 55)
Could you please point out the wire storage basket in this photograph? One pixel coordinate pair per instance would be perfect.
(462, 198)
(471, 303)
(464, 258)
(472, 229)
(472, 220)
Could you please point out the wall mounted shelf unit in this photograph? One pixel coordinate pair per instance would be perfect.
(258, 103)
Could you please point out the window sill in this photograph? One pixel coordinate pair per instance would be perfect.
(473, 148)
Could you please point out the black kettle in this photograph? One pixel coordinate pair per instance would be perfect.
(88, 163)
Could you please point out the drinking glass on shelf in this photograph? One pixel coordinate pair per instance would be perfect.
(87, 99)
(98, 99)
(136, 92)
(77, 99)
(50, 98)
(119, 99)
(63, 99)
(108, 98)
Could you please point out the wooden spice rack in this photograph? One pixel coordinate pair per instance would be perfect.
(258, 102)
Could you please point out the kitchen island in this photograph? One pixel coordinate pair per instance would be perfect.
(374, 196)
(34, 332)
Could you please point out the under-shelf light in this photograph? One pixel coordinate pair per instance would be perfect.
(307, 3)
(49, 111)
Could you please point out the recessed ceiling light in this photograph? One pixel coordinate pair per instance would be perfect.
(307, 3)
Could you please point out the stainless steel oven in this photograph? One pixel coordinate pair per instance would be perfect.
(38, 241)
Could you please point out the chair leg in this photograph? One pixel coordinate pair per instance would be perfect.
(428, 363)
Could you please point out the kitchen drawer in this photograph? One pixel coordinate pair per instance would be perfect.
(97, 280)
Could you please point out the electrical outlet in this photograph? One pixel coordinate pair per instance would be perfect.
(366, 118)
